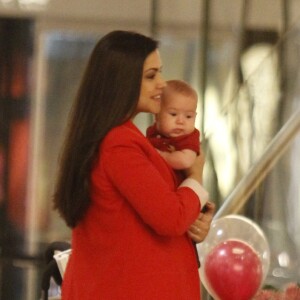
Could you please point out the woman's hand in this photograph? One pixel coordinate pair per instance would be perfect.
(196, 170)
(199, 229)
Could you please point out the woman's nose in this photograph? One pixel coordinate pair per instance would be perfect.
(161, 83)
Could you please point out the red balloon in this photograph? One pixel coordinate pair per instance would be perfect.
(233, 270)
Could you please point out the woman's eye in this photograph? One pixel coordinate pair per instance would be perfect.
(151, 75)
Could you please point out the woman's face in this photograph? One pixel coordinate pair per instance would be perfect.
(152, 85)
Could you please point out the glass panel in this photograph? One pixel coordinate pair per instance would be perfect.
(64, 58)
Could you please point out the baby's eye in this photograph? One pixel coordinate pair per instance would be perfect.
(173, 114)
(190, 116)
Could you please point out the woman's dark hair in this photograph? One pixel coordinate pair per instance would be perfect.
(108, 96)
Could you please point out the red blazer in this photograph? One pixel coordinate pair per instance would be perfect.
(132, 243)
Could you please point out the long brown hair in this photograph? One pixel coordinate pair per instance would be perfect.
(107, 96)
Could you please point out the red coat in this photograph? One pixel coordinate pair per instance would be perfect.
(132, 243)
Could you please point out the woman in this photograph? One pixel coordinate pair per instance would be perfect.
(132, 224)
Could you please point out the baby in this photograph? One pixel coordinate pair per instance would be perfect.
(174, 134)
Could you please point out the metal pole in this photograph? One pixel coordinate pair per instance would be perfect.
(241, 41)
(282, 53)
(153, 18)
(204, 55)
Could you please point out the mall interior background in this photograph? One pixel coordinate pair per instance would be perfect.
(243, 58)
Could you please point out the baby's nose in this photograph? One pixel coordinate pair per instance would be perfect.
(179, 119)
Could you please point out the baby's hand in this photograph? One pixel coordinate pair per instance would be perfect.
(171, 148)
(196, 169)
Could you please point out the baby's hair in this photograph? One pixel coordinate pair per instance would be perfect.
(181, 87)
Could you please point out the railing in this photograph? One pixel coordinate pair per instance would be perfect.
(257, 173)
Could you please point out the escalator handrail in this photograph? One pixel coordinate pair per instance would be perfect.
(257, 173)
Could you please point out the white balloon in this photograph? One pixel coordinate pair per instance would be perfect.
(239, 228)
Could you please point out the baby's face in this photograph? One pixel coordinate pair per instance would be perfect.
(177, 115)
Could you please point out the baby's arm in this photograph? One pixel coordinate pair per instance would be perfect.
(179, 160)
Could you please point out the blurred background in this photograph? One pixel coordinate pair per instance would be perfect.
(243, 58)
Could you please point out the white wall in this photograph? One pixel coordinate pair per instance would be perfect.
(262, 13)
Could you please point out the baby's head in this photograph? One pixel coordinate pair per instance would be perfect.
(178, 109)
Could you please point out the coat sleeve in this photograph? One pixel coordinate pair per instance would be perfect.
(167, 210)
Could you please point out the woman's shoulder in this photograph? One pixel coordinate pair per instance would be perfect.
(123, 134)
